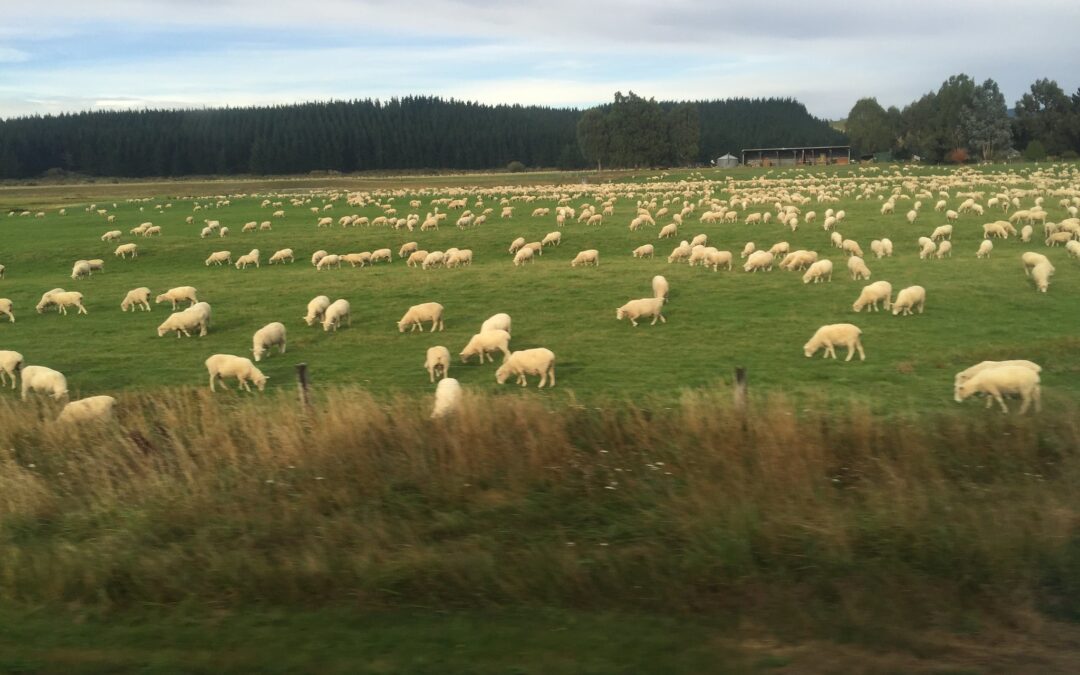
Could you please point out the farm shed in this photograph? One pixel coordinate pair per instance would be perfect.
(728, 161)
(817, 154)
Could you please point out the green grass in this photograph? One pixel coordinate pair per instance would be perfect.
(977, 309)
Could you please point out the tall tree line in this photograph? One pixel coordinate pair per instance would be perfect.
(409, 133)
(965, 119)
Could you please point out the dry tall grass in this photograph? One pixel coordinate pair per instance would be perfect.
(230, 500)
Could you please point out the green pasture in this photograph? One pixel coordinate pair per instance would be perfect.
(976, 309)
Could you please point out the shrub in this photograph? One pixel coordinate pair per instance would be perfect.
(515, 167)
(957, 156)
(1035, 151)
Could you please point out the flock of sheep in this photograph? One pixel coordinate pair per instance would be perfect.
(756, 203)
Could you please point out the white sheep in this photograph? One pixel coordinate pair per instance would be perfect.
(136, 297)
(196, 317)
(356, 259)
(699, 240)
(316, 309)
(588, 257)
(485, 342)
(886, 247)
(1031, 259)
(680, 252)
(516, 245)
(995, 229)
(266, 337)
(985, 247)
(123, 249)
(428, 311)
(251, 258)
(10, 365)
(642, 308)
(382, 255)
(219, 258)
(851, 247)
(660, 287)
(447, 398)
(111, 235)
(437, 362)
(798, 260)
(44, 380)
(1041, 274)
(819, 271)
(644, 251)
(927, 248)
(6, 309)
(1003, 380)
(330, 260)
(524, 255)
(205, 232)
(1073, 249)
(317, 256)
(459, 258)
(912, 297)
(499, 321)
(65, 299)
(538, 361)
(942, 232)
(836, 335)
(338, 310)
(433, 259)
(759, 260)
(90, 410)
(748, 249)
(944, 249)
(282, 256)
(871, 295)
(221, 366)
(715, 258)
(857, 267)
(47, 300)
(967, 374)
(837, 239)
(670, 230)
(178, 295)
(1054, 239)
(553, 238)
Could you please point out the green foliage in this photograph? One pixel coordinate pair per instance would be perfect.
(684, 133)
(1035, 151)
(986, 121)
(1046, 114)
(870, 128)
(515, 167)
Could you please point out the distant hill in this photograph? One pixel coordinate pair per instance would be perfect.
(409, 133)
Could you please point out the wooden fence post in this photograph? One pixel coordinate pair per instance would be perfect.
(740, 389)
(303, 383)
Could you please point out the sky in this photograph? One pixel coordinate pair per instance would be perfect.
(71, 55)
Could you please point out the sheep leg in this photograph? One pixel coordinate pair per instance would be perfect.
(1036, 395)
(993, 391)
(82, 310)
(551, 372)
(212, 378)
(1025, 398)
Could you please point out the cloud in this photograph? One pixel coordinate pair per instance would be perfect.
(560, 52)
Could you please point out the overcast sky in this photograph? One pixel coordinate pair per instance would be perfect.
(69, 55)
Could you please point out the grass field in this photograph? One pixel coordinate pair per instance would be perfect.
(977, 309)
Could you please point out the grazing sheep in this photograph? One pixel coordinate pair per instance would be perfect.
(283, 255)
(47, 300)
(357, 259)
(484, 342)
(266, 337)
(111, 235)
(589, 257)
(437, 362)
(670, 230)
(6, 309)
(1073, 249)
(382, 255)
(330, 260)
(858, 268)
(871, 295)
(317, 256)
(780, 249)
(316, 309)
(65, 299)
(1031, 259)
(516, 245)
(90, 410)
(748, 249)
(195, 317)
(886, 247)
(459, 258)
(644, 251)
(851, 247)
(538, 361)
(524, 255)
(447, 398)
(136, 297)
(553, 238)
(1025, 233)
(927, 248)
(1041, 274)
(818, 272)
(10, 365)
(266, 226)
(416, 258)
(965, 375)
(407, 248)
(985, 247)
(877, 249)
(1003, 380)
(499, 321)
(837, 240)
(642, 308)
(836, 335)
(221, 366)
(995, 229)
(945, 249)
(433, 259)
(951, 216)
(251, 258)
(176, 295)
(699, 240)
(219, 258)
(912, 297)
(759, 260)
(123, 249)
(43, 380)
(942, 232)
(338, 310)
(1053, 240)
(660, 287)
(715, 258)
(223, 232)
(680, 252)
(428, 311)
